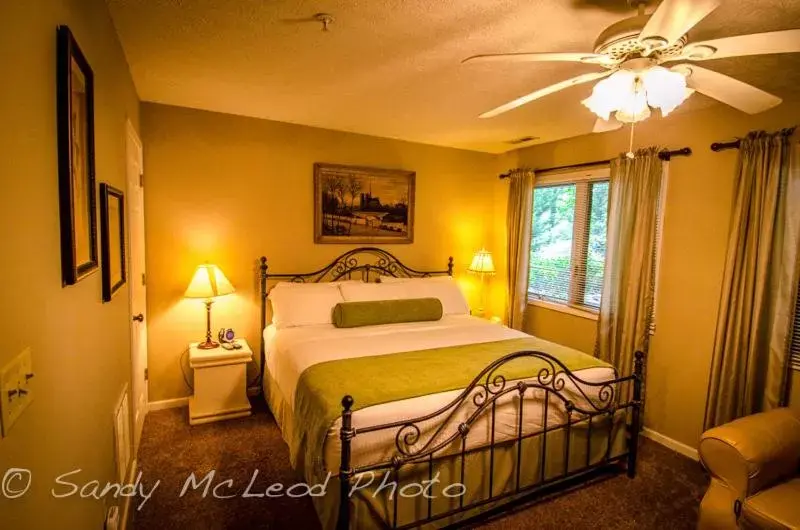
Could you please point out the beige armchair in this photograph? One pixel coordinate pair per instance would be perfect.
(755, 472)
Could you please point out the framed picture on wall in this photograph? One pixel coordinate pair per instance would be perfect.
(363, 205)
(112, 239)
(76, 180)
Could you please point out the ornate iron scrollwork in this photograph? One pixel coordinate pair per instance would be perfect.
(371, 262)
(414, 444)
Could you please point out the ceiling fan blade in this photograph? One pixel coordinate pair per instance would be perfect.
(733, 92)
(611, 124)
(590, 58)
(673, 19)
(757, 44)
(584, 78)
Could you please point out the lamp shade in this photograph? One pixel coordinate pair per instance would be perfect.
(482, 263)
(630, 94)
(208, 282)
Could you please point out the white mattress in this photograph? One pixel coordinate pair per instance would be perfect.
(290, 351)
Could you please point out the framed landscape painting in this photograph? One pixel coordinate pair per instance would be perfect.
(363, 205)
(76, 180)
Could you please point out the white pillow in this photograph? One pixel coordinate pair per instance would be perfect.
(442, 287)
(303, 304)
(367, 292)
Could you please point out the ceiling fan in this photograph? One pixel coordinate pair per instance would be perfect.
(632, 52)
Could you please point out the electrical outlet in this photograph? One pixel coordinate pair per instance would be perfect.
(16, 389)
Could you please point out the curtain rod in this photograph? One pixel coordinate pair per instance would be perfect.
(663, 155)
(722, 146)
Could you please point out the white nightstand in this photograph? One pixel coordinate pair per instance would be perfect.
(220, 383)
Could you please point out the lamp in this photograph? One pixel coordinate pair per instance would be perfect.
(630, 93)
(482, 265)
(208, 282)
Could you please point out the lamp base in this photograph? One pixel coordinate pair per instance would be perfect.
(208, 344)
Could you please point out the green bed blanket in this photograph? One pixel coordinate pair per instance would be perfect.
(374, 380)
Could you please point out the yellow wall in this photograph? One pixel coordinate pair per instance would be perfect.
(228, 189)
(80, 346)
(698, 207)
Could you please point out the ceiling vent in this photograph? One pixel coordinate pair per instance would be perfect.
(522, 140)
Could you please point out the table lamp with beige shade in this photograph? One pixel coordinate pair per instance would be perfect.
(208, 282)
(482, 265)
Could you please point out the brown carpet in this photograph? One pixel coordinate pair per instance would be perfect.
(665, 494)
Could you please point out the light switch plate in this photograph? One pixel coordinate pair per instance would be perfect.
(16, 389)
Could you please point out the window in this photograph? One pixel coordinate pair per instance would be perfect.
(568, 240)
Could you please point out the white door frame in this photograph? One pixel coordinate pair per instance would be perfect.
(136, 285)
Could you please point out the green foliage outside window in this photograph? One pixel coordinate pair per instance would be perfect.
(552, 241)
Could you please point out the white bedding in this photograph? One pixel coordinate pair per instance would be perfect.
(290, 351)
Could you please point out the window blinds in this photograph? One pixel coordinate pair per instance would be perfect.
(568, 242)
(552, 242)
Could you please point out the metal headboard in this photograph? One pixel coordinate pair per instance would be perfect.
(364, 263)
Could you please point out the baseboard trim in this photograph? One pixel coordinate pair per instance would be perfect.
(168, 404)
(668, 442)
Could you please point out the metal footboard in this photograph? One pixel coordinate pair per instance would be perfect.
(558, 386)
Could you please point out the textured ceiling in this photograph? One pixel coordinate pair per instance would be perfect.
(392, 68)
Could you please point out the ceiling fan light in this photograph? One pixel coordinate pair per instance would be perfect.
(631, 94)
(635, 107)
(599, 107)
(607, 94)
(633, 117)
(665, 89)
(666, 110)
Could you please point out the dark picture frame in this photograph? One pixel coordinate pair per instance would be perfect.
(112, 239)
(355, 204)
(76, 171)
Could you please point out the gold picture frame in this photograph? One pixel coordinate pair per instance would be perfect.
(354, 204)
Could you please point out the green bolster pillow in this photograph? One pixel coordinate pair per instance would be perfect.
(375, 312)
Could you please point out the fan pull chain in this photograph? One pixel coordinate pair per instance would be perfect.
(629, 154)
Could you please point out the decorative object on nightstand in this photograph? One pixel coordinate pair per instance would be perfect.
(482, 265)
(208, 282)
(227, 339)
(220, 383)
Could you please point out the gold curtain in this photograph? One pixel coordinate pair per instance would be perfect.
(749, 369)
(518, 224)
(629, 279)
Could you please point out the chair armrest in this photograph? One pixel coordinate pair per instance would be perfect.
(754, 452)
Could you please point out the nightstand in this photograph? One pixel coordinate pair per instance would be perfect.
(220, 383)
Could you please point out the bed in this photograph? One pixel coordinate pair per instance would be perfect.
(433, 423)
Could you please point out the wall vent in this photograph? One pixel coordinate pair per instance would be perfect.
(122, 435)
